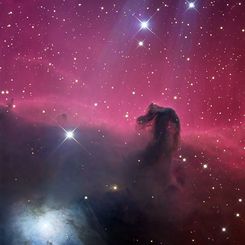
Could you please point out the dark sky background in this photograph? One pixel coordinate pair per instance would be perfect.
(90, 67)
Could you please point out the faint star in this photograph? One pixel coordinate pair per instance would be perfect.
(223, 229)
(114, 187)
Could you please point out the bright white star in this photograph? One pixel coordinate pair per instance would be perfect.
(70, 134)
(191, 5)
(141, 43)
(144, 25)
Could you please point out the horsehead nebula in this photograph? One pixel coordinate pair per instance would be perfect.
(121, 122)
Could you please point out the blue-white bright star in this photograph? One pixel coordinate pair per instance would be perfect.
(191, 5)
(70, 134)
(144, 24)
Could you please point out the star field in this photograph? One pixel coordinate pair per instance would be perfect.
(117, 56)
(76, 165)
